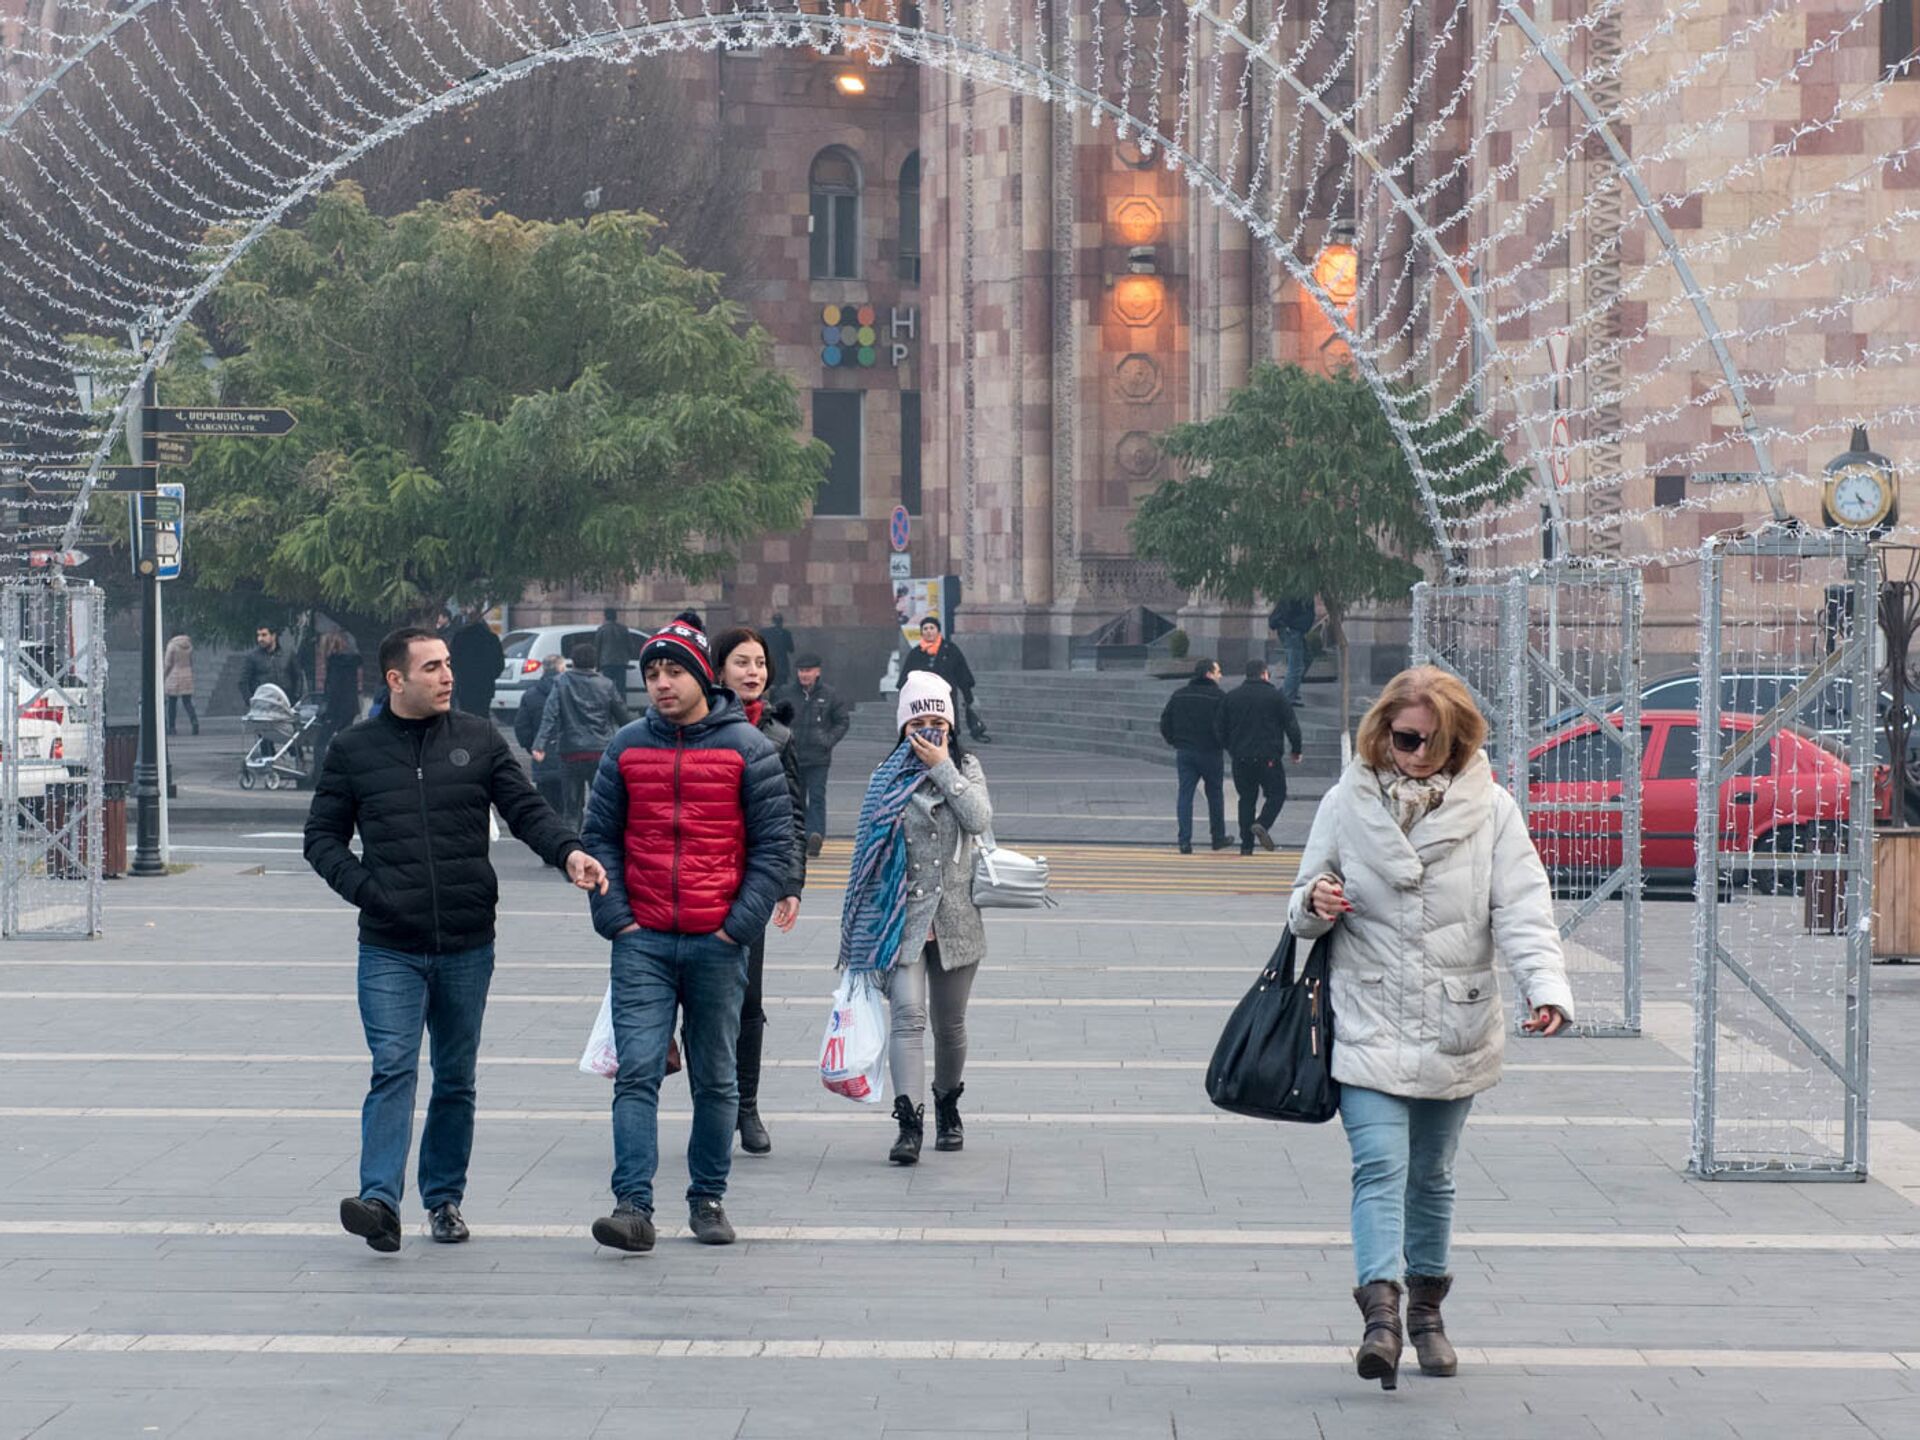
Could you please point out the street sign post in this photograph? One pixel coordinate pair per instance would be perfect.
(159, 525)
(115, 479)
(216, 420)
(167, 450)
(900, 529)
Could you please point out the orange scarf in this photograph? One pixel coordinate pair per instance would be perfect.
(932, 647)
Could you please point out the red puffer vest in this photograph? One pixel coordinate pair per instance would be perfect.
(686, 836)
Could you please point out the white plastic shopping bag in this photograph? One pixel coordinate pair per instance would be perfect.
(599, 1057)
(853, 1051)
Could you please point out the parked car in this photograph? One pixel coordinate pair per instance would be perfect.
(527, 651)
(1827, 715)
(1792, 795)
(60, 705)
(42, 759)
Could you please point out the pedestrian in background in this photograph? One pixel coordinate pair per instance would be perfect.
(909, 913)
(417, 783)
(780, 649)
(340, 666)
(1422, 869)
(1258, 730)
(578, 720)
(690, 816)
(1290, 620)
(819, 722)
(549, 771)
(1190, 723)
(614, 642)
(941, 656)
(744, 668)
(269, 663)
(478, 658)
(176, 679)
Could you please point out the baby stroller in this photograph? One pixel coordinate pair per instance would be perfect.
(279, 753)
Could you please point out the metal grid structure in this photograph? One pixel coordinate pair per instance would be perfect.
(1553, 661)
(1580, 708)
(1784, 877)
(53, 667)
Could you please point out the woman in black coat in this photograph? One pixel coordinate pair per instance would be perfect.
(740, 662)
(940, 655)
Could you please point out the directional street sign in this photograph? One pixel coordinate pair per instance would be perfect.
(216, 420)
(168, 451)
(118, 479)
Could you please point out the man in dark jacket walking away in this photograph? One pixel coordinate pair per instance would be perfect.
(779, 649)
(691, 818)
(478, 659)
(820, 721)
(614, 644)
(417, 781)
(549, 770)
(1191, 725)
(1290, 621)
(1257, 727)
(269, 663)
(580, 717)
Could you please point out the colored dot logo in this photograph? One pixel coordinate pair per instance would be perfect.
(847, 336)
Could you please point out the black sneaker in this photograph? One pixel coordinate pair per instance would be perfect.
(1186, 849)
(708, 1220)
(814, 842)
(1245, 851)
(629, 1228)
(1264, 836)
(445, 1225)
(372, 1220)
(1223, 844)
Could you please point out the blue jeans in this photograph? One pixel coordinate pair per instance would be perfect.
(1296, 647)
(400, 994)
(1196, 768)
(1402, 1181)
(813, 778)
(655, 977)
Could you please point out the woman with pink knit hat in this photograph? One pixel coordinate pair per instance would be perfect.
(909, 915)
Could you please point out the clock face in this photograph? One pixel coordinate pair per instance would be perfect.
(1860, 494)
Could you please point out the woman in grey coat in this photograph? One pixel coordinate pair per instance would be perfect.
(941, 940)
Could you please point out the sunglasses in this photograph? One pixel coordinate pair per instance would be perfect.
(1409, 742)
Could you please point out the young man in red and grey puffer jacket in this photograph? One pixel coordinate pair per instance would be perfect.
(691, 818)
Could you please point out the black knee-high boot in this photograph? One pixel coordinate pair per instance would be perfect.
(753, 1135)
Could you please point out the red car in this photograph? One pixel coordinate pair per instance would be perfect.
(1790, 796)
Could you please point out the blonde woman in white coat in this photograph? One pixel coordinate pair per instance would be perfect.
(1422, 868)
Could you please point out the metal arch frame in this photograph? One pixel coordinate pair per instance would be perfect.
(1570, 84)
(787, 29)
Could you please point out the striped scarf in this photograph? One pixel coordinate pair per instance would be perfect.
(873, 918)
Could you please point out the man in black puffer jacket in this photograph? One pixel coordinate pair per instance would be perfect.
(417, 780)
(1190, 724)
(1257, 727)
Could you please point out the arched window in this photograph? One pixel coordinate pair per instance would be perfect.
(910, 220)
(834, 185)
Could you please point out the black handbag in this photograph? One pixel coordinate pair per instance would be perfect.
(1275, 1057)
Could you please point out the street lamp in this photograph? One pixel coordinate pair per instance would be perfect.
(1337, 268)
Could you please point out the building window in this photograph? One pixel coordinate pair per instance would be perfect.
(834, 220)
(1669, 490)
(1898, 41)
(910, 220)
(836, 420)
(910, 450)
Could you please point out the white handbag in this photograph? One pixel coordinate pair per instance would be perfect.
(1005, 879)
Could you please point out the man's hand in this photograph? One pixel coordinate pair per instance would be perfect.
(786, 912)
(586, 872)
(1296, 758)
(539, 756)
(724, 938)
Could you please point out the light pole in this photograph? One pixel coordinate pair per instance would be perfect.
(146, 767)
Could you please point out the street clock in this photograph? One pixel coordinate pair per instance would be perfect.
(1862, 491)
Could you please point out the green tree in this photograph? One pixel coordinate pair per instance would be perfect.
(484, 403)
(1300, 487)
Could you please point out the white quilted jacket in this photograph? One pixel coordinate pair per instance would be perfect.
(1416, 1006)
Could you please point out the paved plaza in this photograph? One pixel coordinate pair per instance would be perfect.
(1109, 1256)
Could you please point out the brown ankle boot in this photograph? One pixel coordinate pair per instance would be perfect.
(1379, 1356)
(1424, 1326)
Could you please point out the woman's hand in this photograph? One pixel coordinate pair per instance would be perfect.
(786, 912)
(1328, 898)
(930, 754)
(1547, 1020)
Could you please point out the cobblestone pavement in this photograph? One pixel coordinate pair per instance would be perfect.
(1107, 1257)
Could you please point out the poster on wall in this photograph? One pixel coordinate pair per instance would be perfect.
(914, 598)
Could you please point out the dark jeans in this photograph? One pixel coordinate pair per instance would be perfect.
(400, 994)
(553, 789)
(1254, 779)
(1295, 645)
(173, 704)
(618, 675)
(753, 1023)
(814, 779)
(576, 778)
(655, 977)
(1197, 767)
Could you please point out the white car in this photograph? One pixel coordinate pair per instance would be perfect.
(42, 759)
(527, 652)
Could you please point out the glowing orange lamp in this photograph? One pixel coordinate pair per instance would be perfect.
(1337, 271)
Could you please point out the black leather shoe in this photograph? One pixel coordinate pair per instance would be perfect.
(629, 1228)
(754, 1138)
(445, 1225)
(1186, 849)
(707, 1218)
(373, 1221)
(814, 842)
(948, 1132)
(1264, 836)
(913, 1120)
(1223, 844)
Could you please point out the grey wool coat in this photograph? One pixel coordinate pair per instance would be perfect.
(948, 811)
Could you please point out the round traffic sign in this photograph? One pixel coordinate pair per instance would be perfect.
(899, 528)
